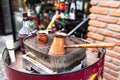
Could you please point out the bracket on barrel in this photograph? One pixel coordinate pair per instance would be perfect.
(101, 51)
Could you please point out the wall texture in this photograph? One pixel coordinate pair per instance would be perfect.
(104, 26)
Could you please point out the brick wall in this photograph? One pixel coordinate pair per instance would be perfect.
(104, 26)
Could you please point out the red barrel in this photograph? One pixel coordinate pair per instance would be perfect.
(92, 72)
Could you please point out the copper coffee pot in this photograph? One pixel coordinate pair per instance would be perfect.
(58, 45)
(42, 37)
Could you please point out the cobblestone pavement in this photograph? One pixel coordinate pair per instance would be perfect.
(2, 71)
(2, 46)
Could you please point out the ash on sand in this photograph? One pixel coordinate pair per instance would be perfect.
(58, 63)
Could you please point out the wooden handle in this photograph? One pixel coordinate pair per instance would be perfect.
(101, 45)
(52, 22)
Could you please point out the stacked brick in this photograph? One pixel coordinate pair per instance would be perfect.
(104, 26)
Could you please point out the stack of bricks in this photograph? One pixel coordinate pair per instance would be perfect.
(104, 26)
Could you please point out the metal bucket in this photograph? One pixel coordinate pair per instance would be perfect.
(92, 72)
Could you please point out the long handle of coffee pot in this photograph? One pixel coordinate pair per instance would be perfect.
(51, 23)
(79, 25)
(101, 45)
